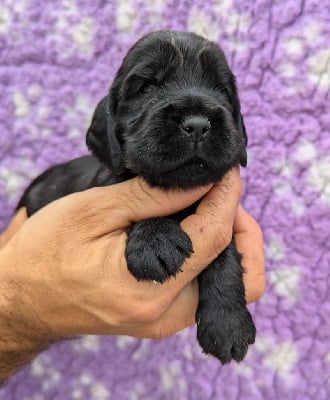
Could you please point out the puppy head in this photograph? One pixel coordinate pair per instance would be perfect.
(172, 114)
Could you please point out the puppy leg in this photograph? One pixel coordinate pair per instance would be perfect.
(224, 325)
(156, 249)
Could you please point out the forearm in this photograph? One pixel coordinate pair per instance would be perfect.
(11, 359)
(21, 337)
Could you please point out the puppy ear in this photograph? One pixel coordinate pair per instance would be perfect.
(101, 137)
(237, 116)
(215, 65)
(242, 132)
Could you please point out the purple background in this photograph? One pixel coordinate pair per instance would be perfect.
(57, 60)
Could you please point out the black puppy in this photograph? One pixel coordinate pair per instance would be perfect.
(172, 116)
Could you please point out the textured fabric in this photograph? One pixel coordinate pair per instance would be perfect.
(57, 60)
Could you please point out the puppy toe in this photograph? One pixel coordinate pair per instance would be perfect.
(239, 351)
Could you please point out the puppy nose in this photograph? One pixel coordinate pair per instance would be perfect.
(196, 125)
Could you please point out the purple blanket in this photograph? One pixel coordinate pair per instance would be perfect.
(57, 60)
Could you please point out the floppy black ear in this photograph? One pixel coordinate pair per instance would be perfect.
(102, 139)
(238, 118)
(242, 132)
(215, 66)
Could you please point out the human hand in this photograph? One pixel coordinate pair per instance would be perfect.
(68, 261)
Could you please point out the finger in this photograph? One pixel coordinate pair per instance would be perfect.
(16, 222)
(142, 201)
(210, 229)
(179, 315)
(117, 206)
(249, 242)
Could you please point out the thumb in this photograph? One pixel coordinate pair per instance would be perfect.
(114, 207)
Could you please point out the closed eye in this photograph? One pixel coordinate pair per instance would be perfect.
(147, 87)
(137, 85)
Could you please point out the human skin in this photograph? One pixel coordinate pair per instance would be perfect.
(63, 271)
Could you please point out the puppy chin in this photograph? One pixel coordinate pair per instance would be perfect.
(186, 176)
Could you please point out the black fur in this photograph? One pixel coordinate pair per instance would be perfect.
(172, 116)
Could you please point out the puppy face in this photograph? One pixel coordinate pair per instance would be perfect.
(172, 114)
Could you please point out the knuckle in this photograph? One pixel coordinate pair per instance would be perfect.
(222, 239)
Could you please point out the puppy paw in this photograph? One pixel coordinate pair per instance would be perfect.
(156, 249)
(225, 334)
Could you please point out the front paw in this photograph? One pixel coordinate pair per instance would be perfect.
(225, 334)
(156, 249)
